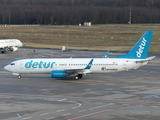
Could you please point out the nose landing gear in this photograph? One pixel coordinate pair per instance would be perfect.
(19, 76)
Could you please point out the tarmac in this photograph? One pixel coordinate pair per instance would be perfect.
(128, 95)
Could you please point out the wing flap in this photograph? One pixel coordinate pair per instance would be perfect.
(78, 71)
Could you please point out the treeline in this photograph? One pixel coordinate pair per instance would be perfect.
(78, 11)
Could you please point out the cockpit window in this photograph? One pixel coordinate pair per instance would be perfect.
(12, 63)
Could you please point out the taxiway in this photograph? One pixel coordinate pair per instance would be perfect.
(129, 95)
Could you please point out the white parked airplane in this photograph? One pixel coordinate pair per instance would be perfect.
(64, 67)
(7, 45)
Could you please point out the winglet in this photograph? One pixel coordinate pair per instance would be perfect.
(141, 48)
(89, 65)
(106, 55)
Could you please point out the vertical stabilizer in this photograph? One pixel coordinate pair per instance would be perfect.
(141, 48)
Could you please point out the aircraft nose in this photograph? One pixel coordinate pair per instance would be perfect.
(7, 67)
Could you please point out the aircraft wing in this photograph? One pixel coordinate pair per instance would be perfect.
(80, 71)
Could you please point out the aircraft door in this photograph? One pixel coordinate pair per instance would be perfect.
(125, 65)
(21, 65)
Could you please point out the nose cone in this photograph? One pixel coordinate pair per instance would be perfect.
(21, 45)
(7, 67)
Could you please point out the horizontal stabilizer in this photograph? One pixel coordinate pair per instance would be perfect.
(144, 60)
(150, 58)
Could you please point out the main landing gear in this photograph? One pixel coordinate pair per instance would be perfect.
(3, 51)
(76, 77)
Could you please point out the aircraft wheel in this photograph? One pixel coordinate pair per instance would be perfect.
(19, 76)
(2, 51)
(80, 76)
(76, 77)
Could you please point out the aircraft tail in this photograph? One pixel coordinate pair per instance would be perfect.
(141, 48)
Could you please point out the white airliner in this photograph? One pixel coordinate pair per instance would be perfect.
(7, 45)
(64, 67)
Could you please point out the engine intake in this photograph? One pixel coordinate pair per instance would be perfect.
(13, 49)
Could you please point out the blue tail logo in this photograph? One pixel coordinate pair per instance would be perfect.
(141, 48)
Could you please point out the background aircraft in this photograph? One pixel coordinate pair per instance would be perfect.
(64, 67)
(7, 45)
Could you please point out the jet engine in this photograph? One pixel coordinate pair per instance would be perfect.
(13, 49)
(58, 74)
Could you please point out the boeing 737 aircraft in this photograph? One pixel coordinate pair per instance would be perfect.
(7, 45)
(64, 67)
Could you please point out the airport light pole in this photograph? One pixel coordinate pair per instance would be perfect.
(67, 39)
(9, 17)
(130, 20)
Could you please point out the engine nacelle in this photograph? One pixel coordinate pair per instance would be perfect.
(13, 49)
(58, 74)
